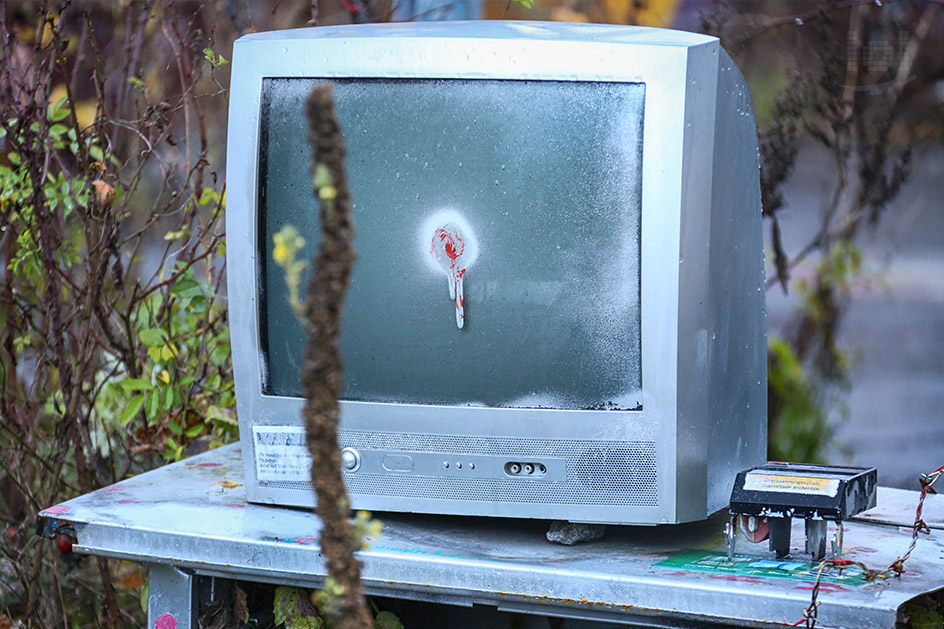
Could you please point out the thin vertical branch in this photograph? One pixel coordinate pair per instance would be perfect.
(903, 74)
(323, 375)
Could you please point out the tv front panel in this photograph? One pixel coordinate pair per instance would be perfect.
(557, 307)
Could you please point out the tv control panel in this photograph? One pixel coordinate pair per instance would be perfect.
(359, 461)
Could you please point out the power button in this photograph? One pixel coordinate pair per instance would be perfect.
(350, 459)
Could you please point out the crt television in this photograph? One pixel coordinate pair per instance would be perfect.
(557, 309)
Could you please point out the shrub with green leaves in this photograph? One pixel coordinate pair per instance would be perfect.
(114, 343)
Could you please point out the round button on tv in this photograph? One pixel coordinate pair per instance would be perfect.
(350, 459)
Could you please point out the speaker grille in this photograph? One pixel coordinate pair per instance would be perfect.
(616, 473)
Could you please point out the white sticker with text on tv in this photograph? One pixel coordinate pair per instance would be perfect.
(281, 454)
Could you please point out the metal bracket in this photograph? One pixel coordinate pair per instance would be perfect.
(816, 538)
(171, 598)
(730, 536)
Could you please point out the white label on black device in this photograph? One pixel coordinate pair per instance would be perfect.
(787, 483)
(281, 454)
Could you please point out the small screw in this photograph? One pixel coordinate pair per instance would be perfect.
(446, 465)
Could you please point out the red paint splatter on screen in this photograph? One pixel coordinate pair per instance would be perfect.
(452, 248)
(447, 248)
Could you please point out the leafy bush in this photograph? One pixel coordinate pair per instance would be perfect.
(114, 345)
(853, 78)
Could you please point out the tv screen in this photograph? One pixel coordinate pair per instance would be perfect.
(498, 240)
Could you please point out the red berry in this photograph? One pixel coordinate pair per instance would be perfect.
(64, 543)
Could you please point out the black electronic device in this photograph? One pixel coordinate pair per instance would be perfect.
(779, 492)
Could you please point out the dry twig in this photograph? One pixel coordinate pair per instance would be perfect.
(322, 378)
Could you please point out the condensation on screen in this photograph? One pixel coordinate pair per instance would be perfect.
(545, 174)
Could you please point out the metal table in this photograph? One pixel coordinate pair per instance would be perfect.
(190, 520)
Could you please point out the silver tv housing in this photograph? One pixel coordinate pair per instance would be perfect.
(701, 416)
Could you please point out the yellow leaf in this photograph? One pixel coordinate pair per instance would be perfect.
(58, 93)
(327, 193)
(175, 235)
(152, 25)
(154, 83)
(646, 13)
(617, 11)
(280, 253)
(565, 14)
(48, 27)
(85, 112)
(104, 192)
(225, 415)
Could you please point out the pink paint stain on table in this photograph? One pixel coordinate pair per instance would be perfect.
(165, 621)
(452, 249)
(56, 510)
(737, 577)
(824, 587)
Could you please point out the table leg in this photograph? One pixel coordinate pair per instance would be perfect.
(171, 598)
